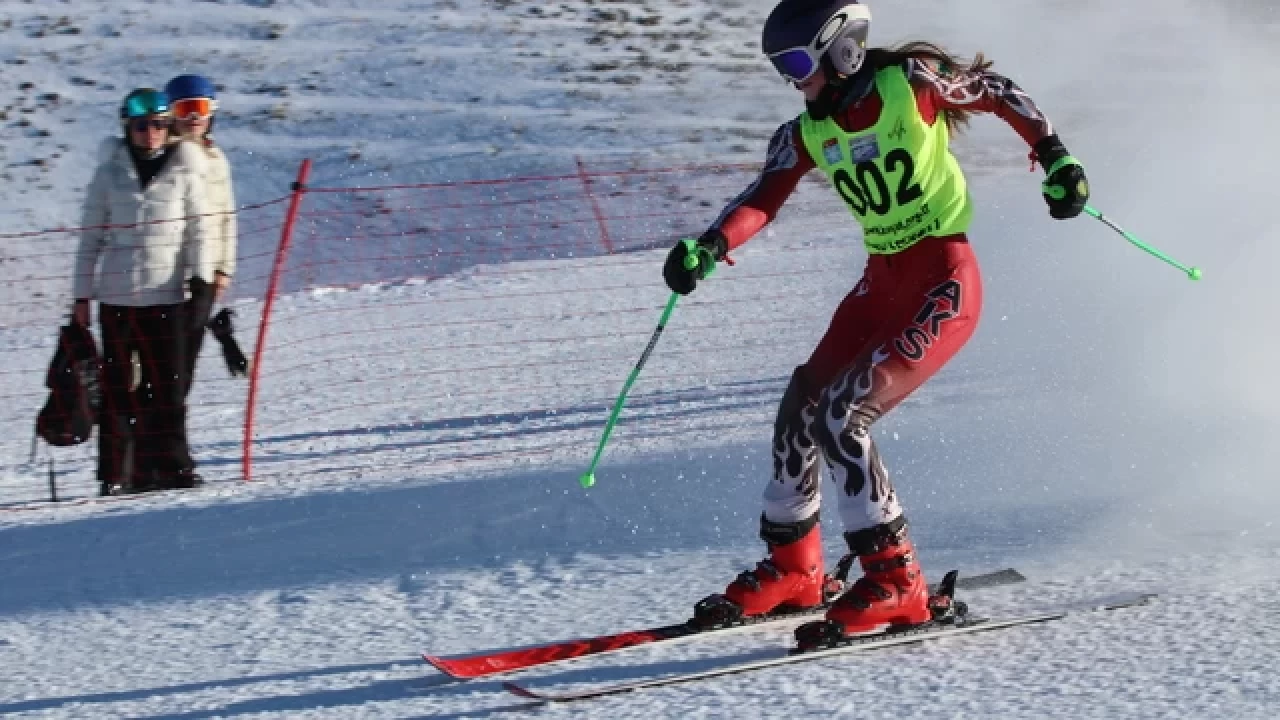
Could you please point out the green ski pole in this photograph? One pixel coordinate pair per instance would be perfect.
(1192, 272)
(589, 477)
(691, 261)
(1057, 192)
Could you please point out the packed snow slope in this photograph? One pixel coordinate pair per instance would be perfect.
(1109, 429)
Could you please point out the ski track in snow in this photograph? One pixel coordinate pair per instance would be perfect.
(1080, 438)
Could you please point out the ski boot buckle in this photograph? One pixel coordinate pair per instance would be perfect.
(716, 610)
(819, 633)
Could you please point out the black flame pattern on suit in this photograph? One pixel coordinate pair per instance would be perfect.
(859, 459)
(961, 87)
(843, 431)
(837, 429)
(782, 156)
(796, 461)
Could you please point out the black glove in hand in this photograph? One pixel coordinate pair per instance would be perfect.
(1065, 188)
(693, 260)
(200, 304)
(221, 327)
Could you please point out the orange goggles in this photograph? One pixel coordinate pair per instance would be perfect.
(198, 107)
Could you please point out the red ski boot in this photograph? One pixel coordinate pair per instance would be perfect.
(790, 579)
(891, 592)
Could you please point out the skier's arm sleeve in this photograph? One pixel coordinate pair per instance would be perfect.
(786, 163)
(227, 260)
(93, 234)
(200, 233)
(981, 91)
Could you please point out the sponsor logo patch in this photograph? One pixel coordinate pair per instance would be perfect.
(831, 151)
(864, 149)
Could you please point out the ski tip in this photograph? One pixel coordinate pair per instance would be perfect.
(1008, 576)
(519, 691)
(1136, 600)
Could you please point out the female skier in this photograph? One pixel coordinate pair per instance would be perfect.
(195, 100)
(146, 243)
(877, 122)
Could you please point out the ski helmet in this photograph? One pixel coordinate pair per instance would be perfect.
(143, 102)
(801, 36)
(184, 87)
(198, 88)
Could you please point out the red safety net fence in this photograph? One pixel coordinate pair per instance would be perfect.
(425, 330)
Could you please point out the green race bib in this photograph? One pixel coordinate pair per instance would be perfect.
(898, 177)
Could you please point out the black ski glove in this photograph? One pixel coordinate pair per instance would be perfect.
(1065, 188)
(221, 327)
(200, 304)
(693, 260)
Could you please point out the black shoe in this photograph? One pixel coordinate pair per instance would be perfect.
(143, 482)
(184, 480)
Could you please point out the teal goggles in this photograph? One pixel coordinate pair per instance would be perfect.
(141, 103)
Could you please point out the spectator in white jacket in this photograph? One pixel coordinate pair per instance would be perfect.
(195, 100)
(147, 229)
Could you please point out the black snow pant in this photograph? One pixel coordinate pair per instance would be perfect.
(198, 311)
(143, 432)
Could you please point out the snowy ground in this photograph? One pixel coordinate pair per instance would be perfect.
(1109, 429)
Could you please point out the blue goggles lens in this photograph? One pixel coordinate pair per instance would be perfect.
(143, 104)
(795, 64)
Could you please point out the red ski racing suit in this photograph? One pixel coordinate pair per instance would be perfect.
(909, 314)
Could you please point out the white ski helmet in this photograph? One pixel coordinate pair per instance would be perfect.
(800, 35)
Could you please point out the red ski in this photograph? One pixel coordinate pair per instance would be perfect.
(890, 638)
(484, 664)
(504, 661)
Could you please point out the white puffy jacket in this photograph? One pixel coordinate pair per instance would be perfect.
(147, 242)
(221, 201)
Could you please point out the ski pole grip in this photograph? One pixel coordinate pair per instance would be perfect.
(691, 261)
(698, 258)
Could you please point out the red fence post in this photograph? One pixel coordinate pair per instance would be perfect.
(282, 251)
(595, 206)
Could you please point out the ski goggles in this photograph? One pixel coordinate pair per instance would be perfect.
(797, 64)
(145, 102)
(194, 107)
(153, 123)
